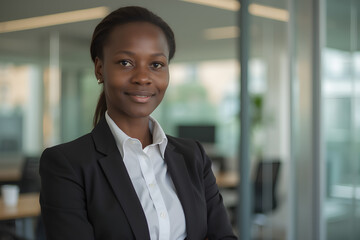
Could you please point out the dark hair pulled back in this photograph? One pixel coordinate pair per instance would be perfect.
(118, 17)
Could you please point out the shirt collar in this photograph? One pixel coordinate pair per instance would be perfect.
(158, 134)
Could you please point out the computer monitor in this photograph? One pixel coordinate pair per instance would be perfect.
(202, 133)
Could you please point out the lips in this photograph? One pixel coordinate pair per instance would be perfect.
(140, 96)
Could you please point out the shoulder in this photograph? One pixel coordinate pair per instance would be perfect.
(187, 147)
(77, 150)
(77, 144)
(183, 143)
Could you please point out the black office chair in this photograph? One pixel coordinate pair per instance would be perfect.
(30, 178)
(264, 191)
(30, 183)
(9, 234)
(265, 199)
(40, 230)
(267, 174)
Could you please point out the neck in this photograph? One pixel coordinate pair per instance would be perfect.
(135, 128)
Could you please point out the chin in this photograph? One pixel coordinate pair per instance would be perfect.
(140, 114)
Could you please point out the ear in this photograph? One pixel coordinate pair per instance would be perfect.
(99, 69)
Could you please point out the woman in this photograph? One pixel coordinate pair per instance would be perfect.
(127, 179)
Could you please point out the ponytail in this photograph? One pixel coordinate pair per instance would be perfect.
(100, 108)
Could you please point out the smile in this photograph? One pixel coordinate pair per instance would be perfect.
(140, 98)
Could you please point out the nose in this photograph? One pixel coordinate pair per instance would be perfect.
(141, 76)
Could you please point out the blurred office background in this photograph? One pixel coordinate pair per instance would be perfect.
(303, 101)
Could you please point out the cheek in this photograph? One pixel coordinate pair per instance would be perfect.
(165, 83)
(114, 81)
(164, 86)
(112, 74)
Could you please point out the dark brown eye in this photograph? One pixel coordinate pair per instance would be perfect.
(125, 63)
(157, 65)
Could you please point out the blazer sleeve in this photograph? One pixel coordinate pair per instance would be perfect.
(218, 223)
(62, 199)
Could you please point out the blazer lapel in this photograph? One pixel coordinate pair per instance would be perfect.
(119, 179)
(180, 176)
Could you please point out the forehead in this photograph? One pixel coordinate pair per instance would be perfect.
(133, 33)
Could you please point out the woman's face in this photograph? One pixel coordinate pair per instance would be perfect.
(134, 69)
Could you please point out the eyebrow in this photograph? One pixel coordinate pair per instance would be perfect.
(132, 53)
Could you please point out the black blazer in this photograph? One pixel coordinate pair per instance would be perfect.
(87, 192)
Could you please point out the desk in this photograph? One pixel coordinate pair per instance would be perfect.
(10, 173)
(227, 179)
(28, 206)
(11, 168)
(24, 213)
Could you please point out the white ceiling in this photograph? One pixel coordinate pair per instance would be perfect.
(187, 20)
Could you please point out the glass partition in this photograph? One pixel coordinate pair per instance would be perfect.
(202, 94)
(269, 108)
(20, 108)
(341, 119)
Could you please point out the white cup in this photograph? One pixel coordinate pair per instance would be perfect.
(10, 195)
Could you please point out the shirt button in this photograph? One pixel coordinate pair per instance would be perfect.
(163, 215)
(152, 185)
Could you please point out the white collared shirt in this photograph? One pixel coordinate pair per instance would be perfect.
(152, 182)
